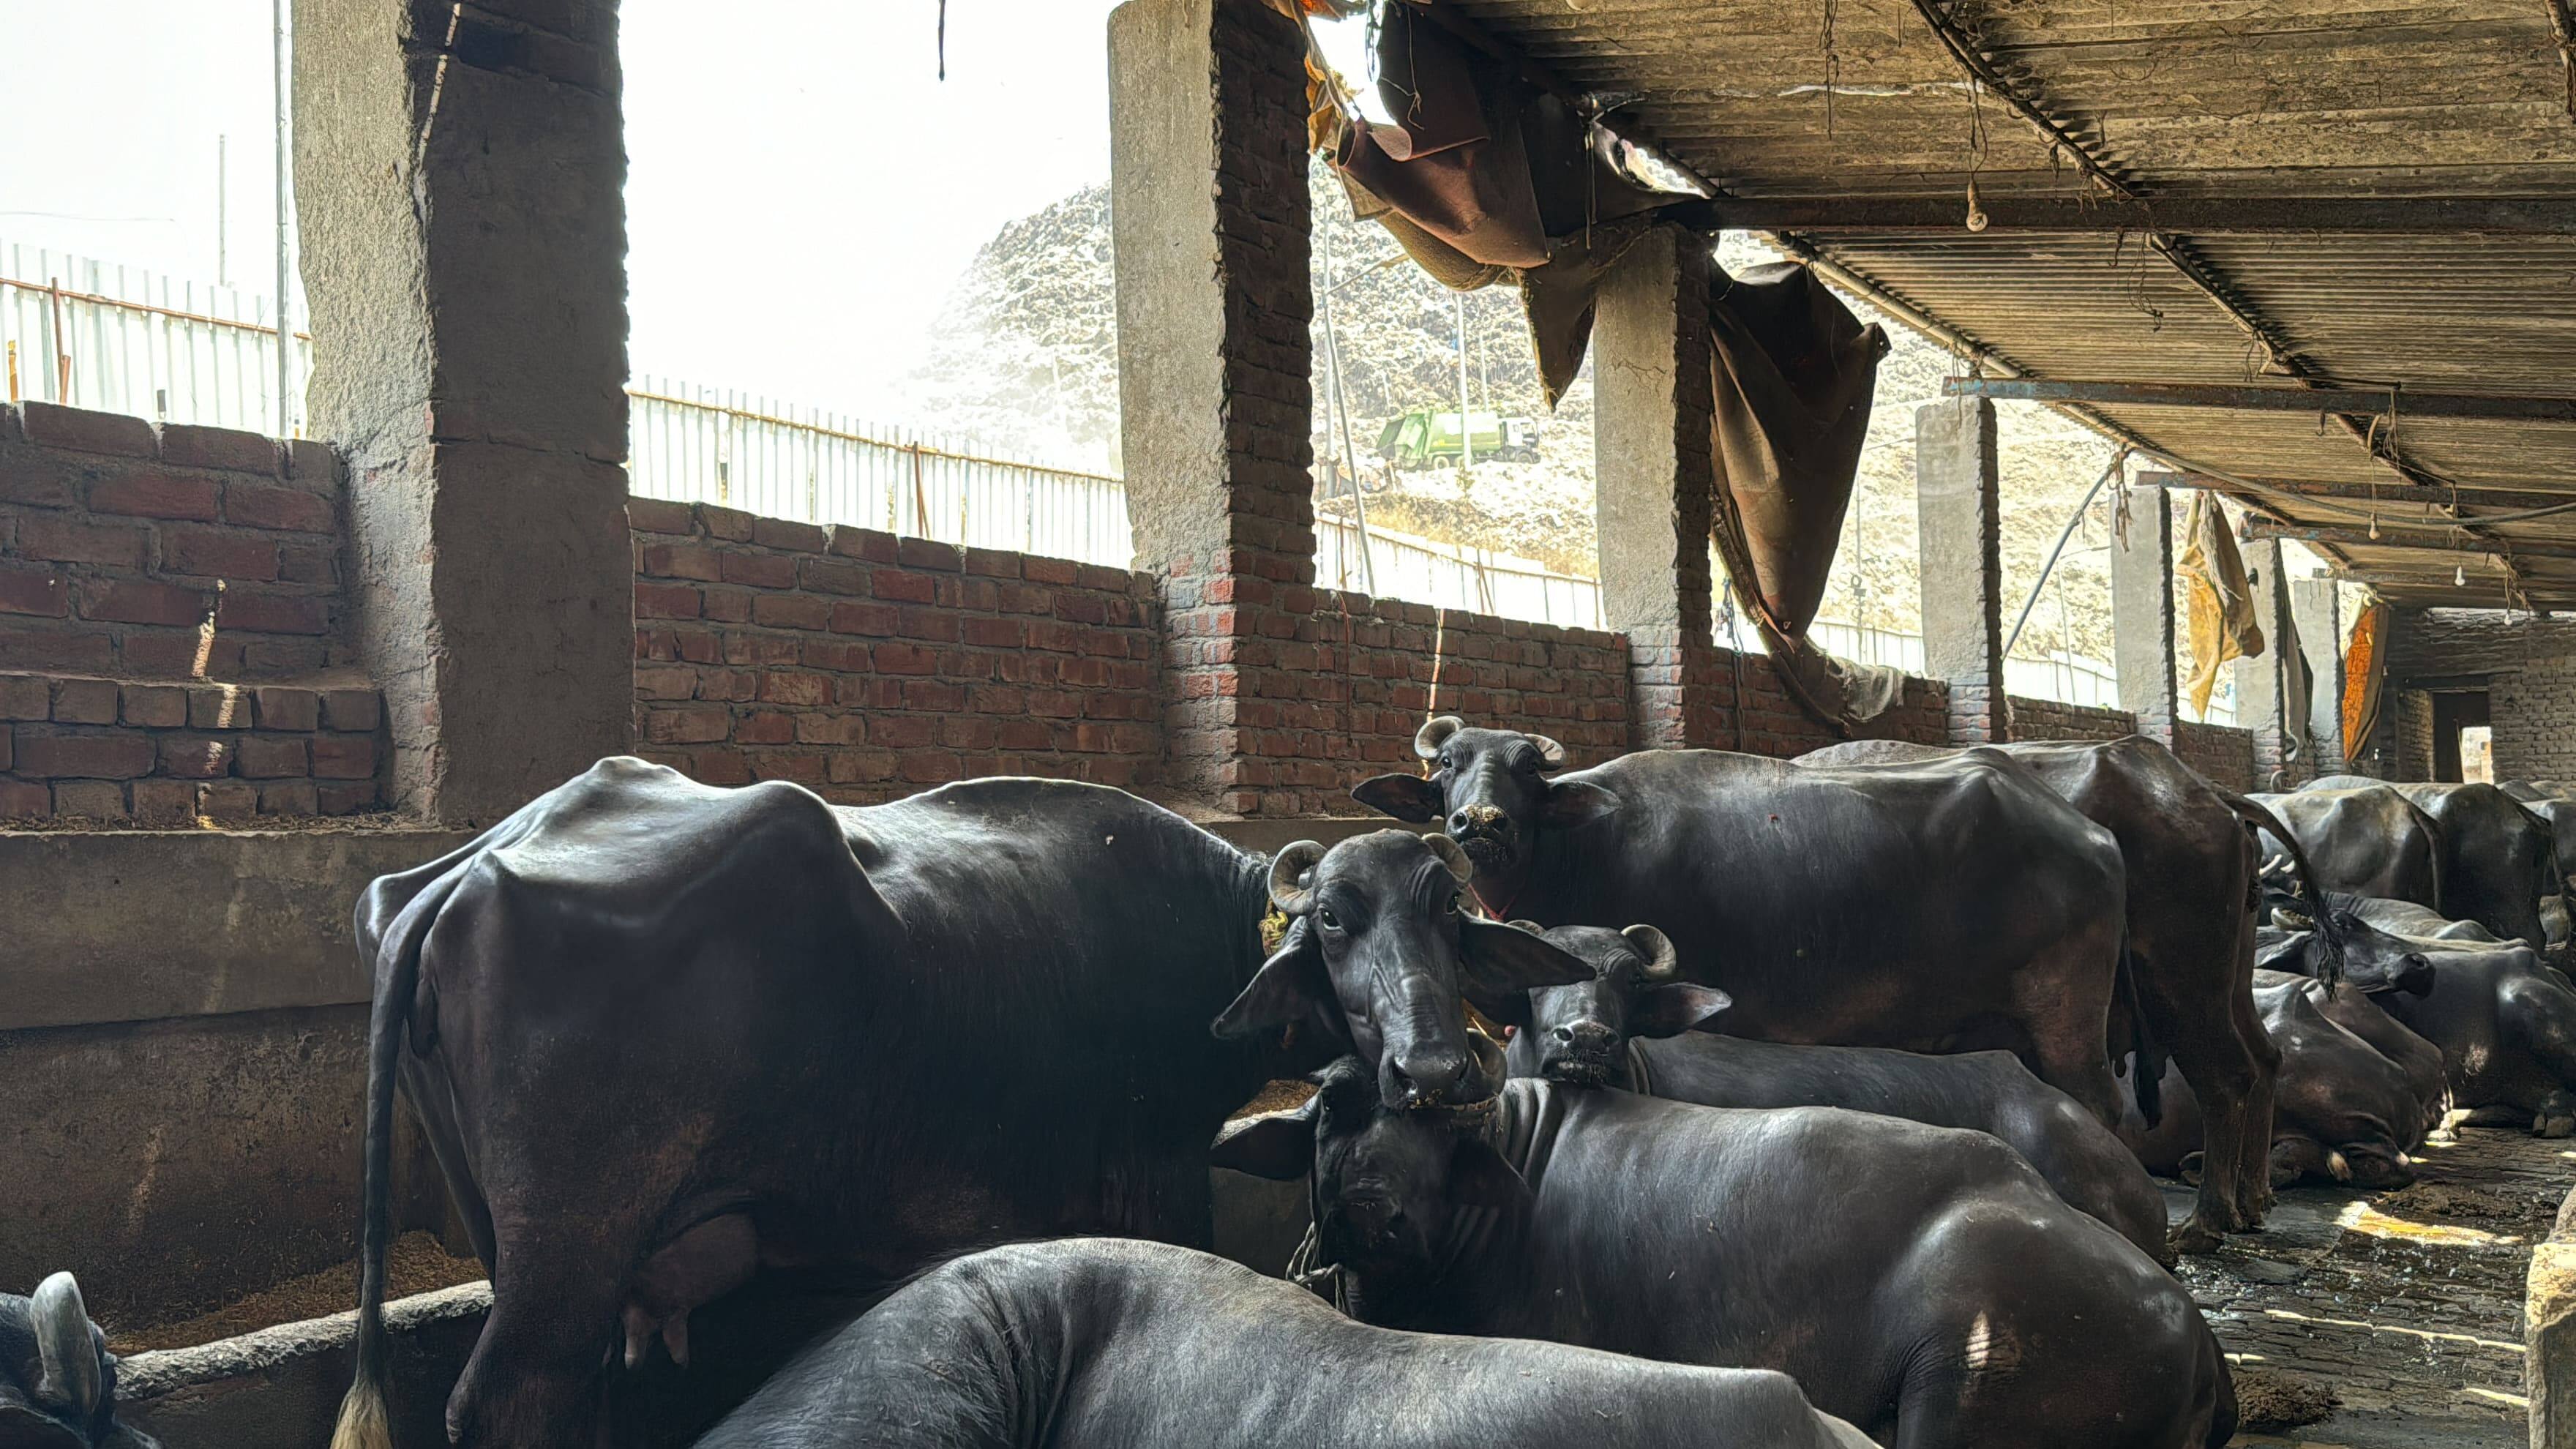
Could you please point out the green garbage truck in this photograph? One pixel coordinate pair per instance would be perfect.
(1426, 439)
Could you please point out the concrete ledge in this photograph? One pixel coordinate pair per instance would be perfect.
(2549, 1334)
(282, 1386)
(145, 925)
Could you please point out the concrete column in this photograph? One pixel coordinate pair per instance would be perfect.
(1655, 470)
(2260, 699)
(1958, 506)
(2549, 1334)
(464, 241)
(2316, 609)
(1209, 211)
(2142, 614)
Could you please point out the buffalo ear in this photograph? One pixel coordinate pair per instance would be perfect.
(1290, 987)
(1406, 797)
(1276, 1145)
(1672, 1010)
(1479, 1177)
(2289, 953)
(1572, 802)
(1502, 963)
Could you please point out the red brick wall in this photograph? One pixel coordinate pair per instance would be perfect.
(170, 612)
(2222, 752)
(119, 542)
(1319, 690)
(1771, 722)
(2049, 719)
(868, 667)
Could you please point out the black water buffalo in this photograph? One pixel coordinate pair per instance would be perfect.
(1095, 1343)
(659, 1034)
(2191, 862)
(1921, 1282)
(57, 1379)
(1631, 1027)
(2371, 958)
(2359, 1012)
(2344, 1112)
(2496, 859)
(2368, 840)
(2507, 1029)
(1942, 907)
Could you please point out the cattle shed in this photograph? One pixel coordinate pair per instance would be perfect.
(2316, 257)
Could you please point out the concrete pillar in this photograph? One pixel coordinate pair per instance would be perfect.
(2142, 614)
(1655, 470)
(2316, 608)
(2260, 699)
(464, 241)
(2549, 1334)
(1958, 507)
(1208, 201)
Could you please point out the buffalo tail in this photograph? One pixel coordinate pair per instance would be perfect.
(2258, 819)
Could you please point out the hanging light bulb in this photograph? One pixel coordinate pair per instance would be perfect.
(2459, 576)
(1976, 212)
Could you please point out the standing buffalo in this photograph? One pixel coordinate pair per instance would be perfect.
(1630, 1027)
(1106, 1344)
(2367, 839)
(1936, 908)
(2495, 859)
(57, 1379)
(660, 1034)
(2188, 850)
(1921, 1282)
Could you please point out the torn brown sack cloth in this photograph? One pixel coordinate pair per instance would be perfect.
(1793, 373)
(2221, 603)
(1484, 178)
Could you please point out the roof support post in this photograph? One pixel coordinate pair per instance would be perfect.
(464, 256)
(2263, 696)
(2142, 613)
(1207, 182)
(1654, 461)
(1959, 509)
(2317, 609)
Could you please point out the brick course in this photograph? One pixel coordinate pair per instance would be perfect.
(164, 755)
(763, 651)
(118, 545)
(2049, 719)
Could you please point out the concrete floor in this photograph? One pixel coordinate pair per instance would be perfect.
(2408, 1303)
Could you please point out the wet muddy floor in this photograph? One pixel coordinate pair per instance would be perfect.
(2406, 1304)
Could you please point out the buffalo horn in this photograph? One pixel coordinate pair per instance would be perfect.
(1451, 855)
(1289, 864)
(70, 1361)
(1662, 962)
(1533, 927)
(1435, 733)
(1551, 755)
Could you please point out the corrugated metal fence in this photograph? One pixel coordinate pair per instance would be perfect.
(119, 339)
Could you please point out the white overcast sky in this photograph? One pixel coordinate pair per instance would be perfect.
(802, 190)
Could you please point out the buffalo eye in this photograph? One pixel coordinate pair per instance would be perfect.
(1325, 914)
(1455, 905)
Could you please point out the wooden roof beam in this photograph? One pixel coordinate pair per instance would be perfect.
(2371, 492)
(2503, 551)
(2402, 402)
(2209, 216)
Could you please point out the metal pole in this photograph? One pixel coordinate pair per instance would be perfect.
(223, 197)
(2063, 535)
(285, 329)
(1333, 379)
(1466, 425)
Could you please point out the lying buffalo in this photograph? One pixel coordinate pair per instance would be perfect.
(2506, 1026)
(1095, 1343)
(2358, 1011)
(1630, 1027)
(57, 1379)
(1921, 1282)
(2189, 852)
(1940, 908)
(2344, 1112)
(660, 1034)
(2495, 859)
(2371, 958)
(2368, 840)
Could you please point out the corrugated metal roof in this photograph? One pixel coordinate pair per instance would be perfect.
(2200, 98)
